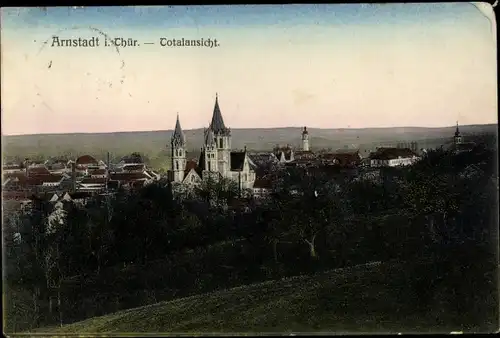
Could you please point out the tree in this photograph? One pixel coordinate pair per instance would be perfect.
(217, 192)
(318, 207)
(276, 220)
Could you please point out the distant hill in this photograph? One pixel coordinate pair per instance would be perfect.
(154, 143)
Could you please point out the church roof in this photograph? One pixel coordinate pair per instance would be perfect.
(237, 160)
(457, 131)
(178, 137)
(201, 161)
(85, 160)
(192, 165)
(209, 137)
(217, 125)
(287, 151)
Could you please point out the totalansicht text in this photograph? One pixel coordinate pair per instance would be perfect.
(129, 42)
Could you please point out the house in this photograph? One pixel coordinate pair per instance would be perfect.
(50, 180)
(129, 180)
(38, 180)
(97, 173)
(85, 162)
(35, 163)
(304, 155)
(133, 168)
(262, 187)
(17, 200)
(91, 184)
(38, 171)
(11, 168)
(79, 198)
(14, 180)
(57, 165)
(343, 159)
(392, 157)
(153, 176)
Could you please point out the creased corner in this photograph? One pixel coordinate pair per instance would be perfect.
(486, 10)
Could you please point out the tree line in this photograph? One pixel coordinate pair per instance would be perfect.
(67, 262)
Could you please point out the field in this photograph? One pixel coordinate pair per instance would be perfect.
(155, 144)
(366, 298)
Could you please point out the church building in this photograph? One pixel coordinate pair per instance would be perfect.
(459, 145)
(217, 160)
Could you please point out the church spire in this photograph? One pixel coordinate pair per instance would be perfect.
(178, 137)
(217, 124)
(457, 131)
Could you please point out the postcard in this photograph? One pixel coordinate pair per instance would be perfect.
(250, 169)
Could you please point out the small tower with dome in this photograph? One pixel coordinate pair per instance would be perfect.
(305, 139)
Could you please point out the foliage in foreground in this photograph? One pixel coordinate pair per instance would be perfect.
(145, 247)
(358, 299)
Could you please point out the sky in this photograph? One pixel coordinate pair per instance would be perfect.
(321, 66)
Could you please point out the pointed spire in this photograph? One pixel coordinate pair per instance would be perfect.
(457, 131)
(217, 123)
(178, 137)
(304, 132)
(209, 138)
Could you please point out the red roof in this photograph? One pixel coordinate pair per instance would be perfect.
(19, 174)
(86, 159)
(51, 178)
(98, 172)
(22, 180)
(37, 179)
(133, 167)
(38, 171)
(342, 159)
(92, 180)
(127, 176)
(192, 165)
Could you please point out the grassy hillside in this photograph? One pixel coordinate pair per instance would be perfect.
(154, 143)
(360, 299)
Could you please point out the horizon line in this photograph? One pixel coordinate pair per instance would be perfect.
(289, 127)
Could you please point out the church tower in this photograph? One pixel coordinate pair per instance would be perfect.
(222, 139)
(458, 137)
(210, 151)
(178, 145)
(305, 139)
